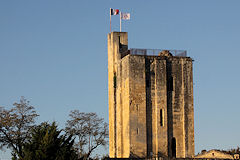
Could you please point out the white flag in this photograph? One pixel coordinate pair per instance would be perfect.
(125, 16)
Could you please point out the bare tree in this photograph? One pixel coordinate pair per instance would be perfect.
(90, 132)
(15, 126)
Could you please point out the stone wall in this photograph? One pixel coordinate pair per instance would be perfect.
(138, 132)
(150, 103)
(117, 45)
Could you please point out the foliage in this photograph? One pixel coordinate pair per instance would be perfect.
(15, 126)
(48, 143)
(232, 151)
(90, 132)
(45, 141)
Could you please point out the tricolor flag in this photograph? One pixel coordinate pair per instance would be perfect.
(125, 16)
(114, 11)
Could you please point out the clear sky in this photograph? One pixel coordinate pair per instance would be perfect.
(55, 54)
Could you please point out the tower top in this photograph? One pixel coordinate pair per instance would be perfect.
(120, 37)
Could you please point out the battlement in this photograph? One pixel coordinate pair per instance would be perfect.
(156, 52)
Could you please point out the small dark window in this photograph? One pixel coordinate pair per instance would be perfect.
(173, 147)
(115, 81)
(161, 117)
(137, 131)
(170, 84)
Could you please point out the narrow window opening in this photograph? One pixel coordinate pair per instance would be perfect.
(173, 147)
(137, 131)
(161, 117)
(115, 81)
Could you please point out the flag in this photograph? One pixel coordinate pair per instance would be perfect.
(114, 11)
(125, 16)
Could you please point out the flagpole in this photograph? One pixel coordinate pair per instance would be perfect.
(110, 19)
(120, 22)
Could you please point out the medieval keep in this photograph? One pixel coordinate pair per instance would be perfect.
(150, 101)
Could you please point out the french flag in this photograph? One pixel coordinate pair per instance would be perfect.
(114, 11)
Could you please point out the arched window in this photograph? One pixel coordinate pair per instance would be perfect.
(173, 147)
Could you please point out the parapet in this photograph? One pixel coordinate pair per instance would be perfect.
(158, 52)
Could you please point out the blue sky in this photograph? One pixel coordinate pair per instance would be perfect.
(55, 54)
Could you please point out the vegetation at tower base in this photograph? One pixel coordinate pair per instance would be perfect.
(89, 131)
(28, 141)
(47, 142)
(232, 151)
(15, 126)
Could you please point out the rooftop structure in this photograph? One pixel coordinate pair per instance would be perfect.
(155, 52)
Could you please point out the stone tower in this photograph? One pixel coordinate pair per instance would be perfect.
(150, 102)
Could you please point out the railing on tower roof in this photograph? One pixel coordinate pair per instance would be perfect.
(155, 52)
